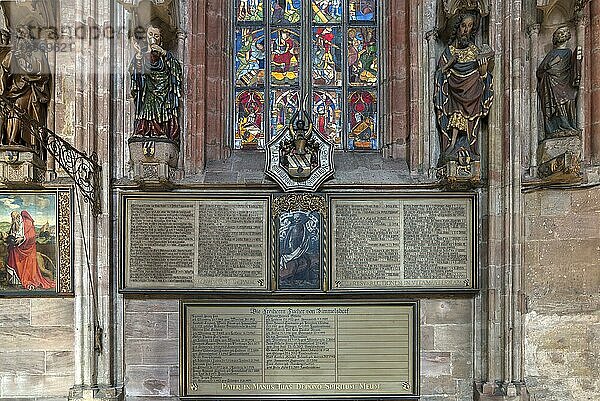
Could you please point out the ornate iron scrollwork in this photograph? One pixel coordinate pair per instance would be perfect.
(83, 169)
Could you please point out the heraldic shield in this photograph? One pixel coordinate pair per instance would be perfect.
(299, 158)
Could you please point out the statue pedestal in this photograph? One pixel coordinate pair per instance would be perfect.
(453, 174)
(19, 166)
(154, 160)
(559, 159)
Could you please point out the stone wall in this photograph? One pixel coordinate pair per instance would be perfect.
(562, 282)
(152, 350)
(36, 348)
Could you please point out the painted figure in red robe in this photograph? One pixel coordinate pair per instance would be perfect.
(22, 261)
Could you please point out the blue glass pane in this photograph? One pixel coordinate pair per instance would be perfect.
(249, 57)
(362, 10)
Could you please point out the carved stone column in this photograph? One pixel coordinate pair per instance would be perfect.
(533, 31)
(502, 371)
(595, 81)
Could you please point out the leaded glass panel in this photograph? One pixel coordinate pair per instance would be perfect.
(249, 132)
(327, 56)
(327, 50)
(362, 10)
(284, 104)
(326, 11)
(362, 113)
(249, 56)
(249, 10)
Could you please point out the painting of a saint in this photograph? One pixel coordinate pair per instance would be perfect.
(300, 250)
(28, 246)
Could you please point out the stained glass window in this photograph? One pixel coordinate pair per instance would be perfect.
(327, 50)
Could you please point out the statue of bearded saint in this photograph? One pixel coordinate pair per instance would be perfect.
(156, 87)
(463, 92)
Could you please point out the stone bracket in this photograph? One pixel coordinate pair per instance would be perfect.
(455, 176)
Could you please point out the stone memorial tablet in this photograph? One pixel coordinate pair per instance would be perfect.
(209, 243)
(234, 351)
(392, 242)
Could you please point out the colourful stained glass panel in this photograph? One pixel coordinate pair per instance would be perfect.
(249, 131)
(362, 56)
(327, 115)
(286, 11)
(362, 117)
(327, 56)
(285, 52)
(250, 10)
(249, 56)
(362, 10)
(284, 104)
(326, 11)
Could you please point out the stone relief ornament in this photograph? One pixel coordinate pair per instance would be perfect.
(299, 158)
(558, 77)
(462, 98)
(156, 88)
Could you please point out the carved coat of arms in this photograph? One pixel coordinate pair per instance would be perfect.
(299, 158)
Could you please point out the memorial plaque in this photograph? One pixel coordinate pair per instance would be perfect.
(183, 243)
(394, 242)
(320, 350)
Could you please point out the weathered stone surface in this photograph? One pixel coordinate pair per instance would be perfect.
(147, 380)
(160, 352)
(22, 362)
(15, 312)
(59, 363)
(35, 385)
(151, 305)
(447, 311)
(435, 364)
(452, 337)
(52, 312)
(563, 348)
(438, 385)
(37, 338)
(173, 326)
(146, 325)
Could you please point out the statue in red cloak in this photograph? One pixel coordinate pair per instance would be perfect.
(22, 259)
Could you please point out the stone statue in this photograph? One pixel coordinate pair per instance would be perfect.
(156, 86)
(463, 91)
(24, 80)
(558, 83)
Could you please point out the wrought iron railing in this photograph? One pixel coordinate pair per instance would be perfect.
(83, 169)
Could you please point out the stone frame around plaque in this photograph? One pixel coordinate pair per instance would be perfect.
(410, 388)
(299, 261)
(467, 284)
(46, 216)
(191, 203)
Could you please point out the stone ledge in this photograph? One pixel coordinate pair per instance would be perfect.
(96, 393)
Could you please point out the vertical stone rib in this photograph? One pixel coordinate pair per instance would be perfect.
(594, 75)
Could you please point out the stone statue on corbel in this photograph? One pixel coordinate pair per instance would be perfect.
(463, 96)
(25, 83)
(157, 90)
(558, 78)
